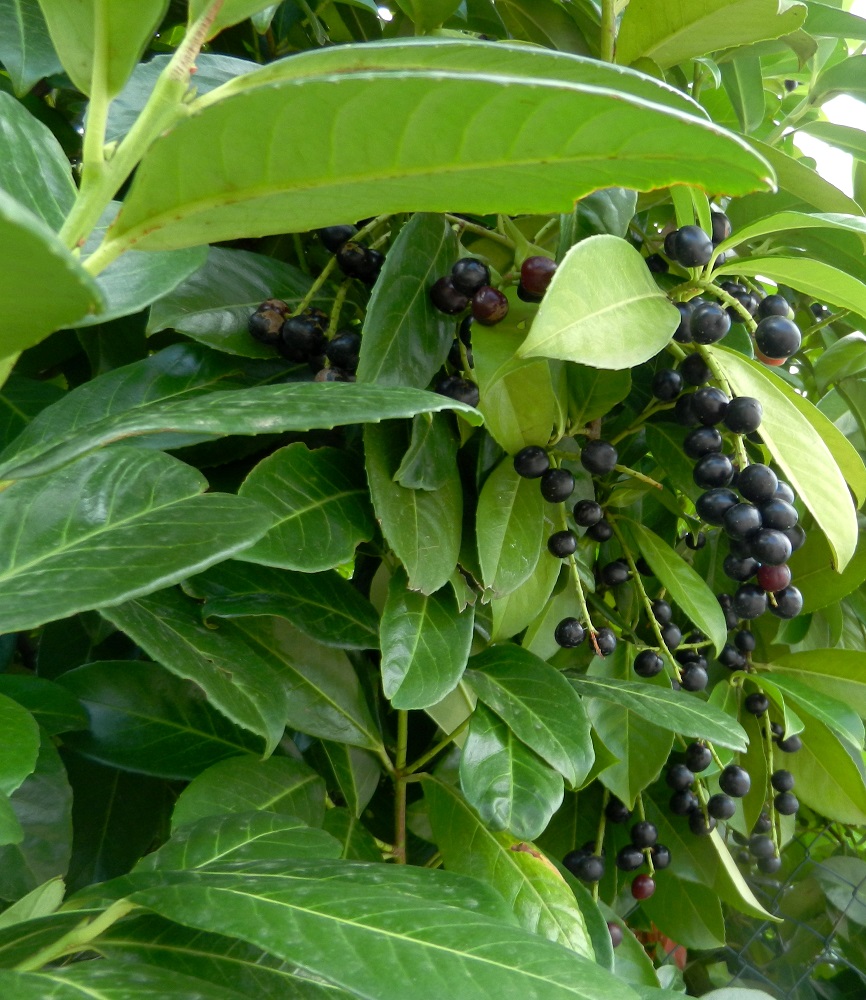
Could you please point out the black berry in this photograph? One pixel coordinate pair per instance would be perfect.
(742, 520)
(661, 856)
(721, 227)
(562, 544)
(773, 305)
(702, 441)
(587, 513)
(761, 846)
(683, 802)
(333, 237)
(589, 869)
(786, 803)
(694, 677)
(644, 834)
(569, 633)
(779, 514)
(683, 334)
(757, 703)
(598, 457)
(709, 323)
(771, 546)
(666, 384)
(740, 568)
(735, 781)
(769, 866)
(557, 485)
(791, 744)
(302, 338)
(789, 603)
(701, 825)
(757, 483)
(662, 612)
(615, 573)
(630, 858)
(695, 371)
(709, 405)
(743, 415)
(721, 806)
(713, 471)
(602, 531)
(777, 337)
(531, 462)
(679, 777)
(698, 757)
(469, 274)
(745, 641)
(605, 640)
(343, 350)
(461, 389)
(648, 663)
(266, 322)
(749, 601)
(617, 811)
(691, 246)
(447, 298)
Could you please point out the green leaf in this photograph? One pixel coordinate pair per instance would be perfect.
(543, 22)
(427, 14)
(100, 42)
(225, 961)
(320, 508)
(108, 980)
(844, 137)
(34, 170)
(520, 400)
(258, 672)
(687, 589)
(42, 805)
(813, 277)
(842, 880)
(425, 643)
(536, 892)
(828, 778)
(323, 606)
(681, 30)
(19, 744)
(213, 305)
(731, 886)
(602, 308)
(800, 450)
(25, 46)
(835, 714)
(510, 787)
(228, 13)
(405, 339)
(839, 673)
(20, 400)
(39, 902)
(423, 527)
(744, 85)
(142, 718)
(827, 21)
(54, 709)
(666, 709)
(356, 773)
(510, 529)
(593, 392)
(688, 913)
(191, 188)
(262, 409)
(113, 526)
(431, 454)
(240, 836)
(347, 923)
(32, 259)
(10, 829)
(240, 785)
(844, 359)
(534, 699)
(512, 613)
(845, 77)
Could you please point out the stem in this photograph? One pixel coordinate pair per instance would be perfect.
(599, 836)
(437, 749)
(729, 300)
(400, 788)
(337, 307)
(581, 600)
(608, 30)
(163, 109)
(472, 227)
(719, 376)
(545, 229)
(325, 273)
(79, 938)
(93, 154)
(638, 475)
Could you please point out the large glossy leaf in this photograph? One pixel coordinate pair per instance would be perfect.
(681, 30)
(835, 714)
(213, 958)
(538, 705)
(667, 709)
(20, 400)
(817, 580)
(98, 41)
(213, 305)
(323, 606)
(839, 673)
(258, 672)
(10, 828)
(356, 773)
(828, 777)
(142, 718)
(347, 172)
(510, 529)
(241, 785)
(320, 508)
(260, 410)
(108, 981)
(423, 527)
(19, 744)
(113, 526)
(687, 913)
(510, 787)
(240, 836)
(688, 590)
(602, 308)
(844, 77)
(799, 448)
(540, 898)
(32, 259)
(814, 277)
(783, 222)
(25, 46)
(39, 902)
(511, 614)
(845, 137)
(593, 392)
(349, 922)
(42, 805)
(436, 54)
(34, 169)
(425, 642)
(406, 339)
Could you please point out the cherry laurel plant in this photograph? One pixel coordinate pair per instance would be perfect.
(431, 460)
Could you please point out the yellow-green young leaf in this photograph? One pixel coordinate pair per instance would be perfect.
(783, 222)
(229, 12)
(101, 36)
(677, 30)
(846, 77)
(540, 898)
(800, 450)
(602, 308)
(817, 581)
(510, 529)
(32, 260)
(835, 714)
(840, 673)
(222, 173)
(39, 902)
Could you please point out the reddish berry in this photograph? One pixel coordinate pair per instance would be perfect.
(642, 887)
(535, 274)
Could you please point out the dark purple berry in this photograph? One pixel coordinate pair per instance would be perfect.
(602, 531)
(731, 657)
(531, 462)
(302, 338)
(740, 568)
(266, 322)
(721, 227)
(769, 866)
(700, 825)
(562, 544)
(770, 546)
(589, 869)
(698, 757)
(605, 640)
(735, 781)
(743, 415)
(679, 777)
(749, 601)
(774, 578)
(745, 641)
(661, 856)
(695, 371)
(702, 441)
(721, 806)
(667, 384)
(742, 520)
(709, 405)
(615, 573)
(662, 612)
(344, 349)
(333, 237)
(791, 744)
(682, 334)
(782, 780)
(630, 858)
(615, 932)
(536, 274)
(587, 513)
(557, 485)
(709, 323)
(757, 703)
(569, 633)
(489, 306)
(683, 802)
(447, 298)
(648, 663)
(598, 457)
(757, 483)
(713, 471)
(789, 603)
(779, 514)
(761, 846)
(694, 677)
(773, 305)
(617, 811)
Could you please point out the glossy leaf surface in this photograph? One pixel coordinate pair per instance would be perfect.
(19, 744)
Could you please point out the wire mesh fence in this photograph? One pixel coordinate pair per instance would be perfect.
(816, 949)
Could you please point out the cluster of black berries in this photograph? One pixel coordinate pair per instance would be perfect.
(302, 339)
(468, 287)
(354, 259)
(734, 782)
(557, 484)
(588, 864)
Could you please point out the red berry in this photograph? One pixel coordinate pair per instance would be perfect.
(774, 578)
(535, 274)
(489, 306)
(643, 886)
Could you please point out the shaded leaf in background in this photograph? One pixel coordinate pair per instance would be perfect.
(19, 744)
(25, 45)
